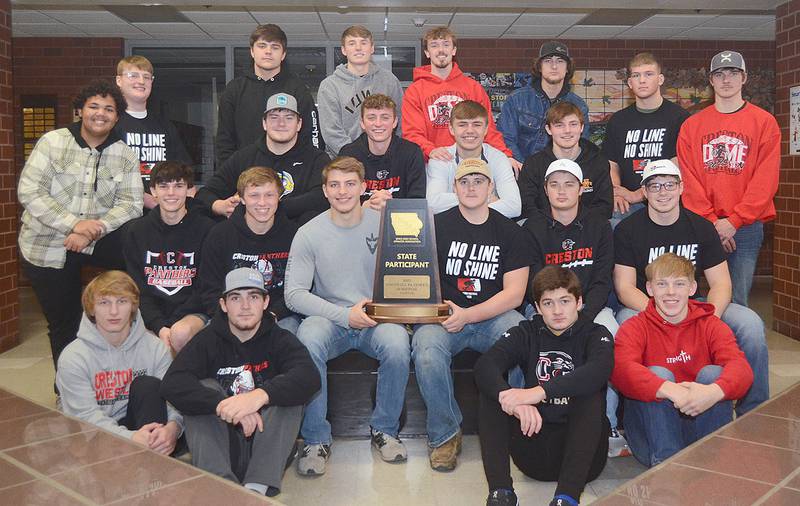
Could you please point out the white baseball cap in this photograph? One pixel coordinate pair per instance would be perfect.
(660, 168)
(565, 165)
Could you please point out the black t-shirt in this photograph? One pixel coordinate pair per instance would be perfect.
(154, 139)
(474, 258)
(633, 138)
(638, 241)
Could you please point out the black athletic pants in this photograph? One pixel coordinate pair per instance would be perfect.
(59, 290)
(145, 404)
(571, 453)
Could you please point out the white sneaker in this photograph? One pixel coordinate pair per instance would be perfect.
(390, 448)
(617, 445)
(313, 459)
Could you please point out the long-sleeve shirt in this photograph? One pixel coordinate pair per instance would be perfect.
(441, 183)
(730, 164)
(331, 268)
(65, 181)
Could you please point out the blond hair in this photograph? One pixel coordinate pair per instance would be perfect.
(140, 62)
(113, 283)
(346, 164)
(670, 265)
(258, 176)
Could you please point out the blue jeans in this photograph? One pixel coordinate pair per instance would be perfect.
(290, 323)
(616, 217)
(657, 430)
(387, 342)
(606, 318)
(433, 349)
(748, 328)
(742, 262)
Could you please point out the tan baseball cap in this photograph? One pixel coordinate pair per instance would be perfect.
(473, 166)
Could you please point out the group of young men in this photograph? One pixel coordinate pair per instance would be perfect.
(259, 280)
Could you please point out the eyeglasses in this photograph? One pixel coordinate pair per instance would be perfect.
(728, 73)
(134, 76)
(667, 186)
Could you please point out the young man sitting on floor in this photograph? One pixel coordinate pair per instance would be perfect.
(555, 429)
(678, 365)
(110, 374)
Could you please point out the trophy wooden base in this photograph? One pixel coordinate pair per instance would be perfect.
(408, 313)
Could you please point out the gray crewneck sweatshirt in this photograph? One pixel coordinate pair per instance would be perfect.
(331, 268)
(339, 101)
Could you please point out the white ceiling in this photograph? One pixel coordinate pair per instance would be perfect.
(720, 20)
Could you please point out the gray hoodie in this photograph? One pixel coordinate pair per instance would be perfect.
(93, 376)
(340, 97)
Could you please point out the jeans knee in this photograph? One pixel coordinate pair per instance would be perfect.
(708, 374)
(316, 333)
(662, 372)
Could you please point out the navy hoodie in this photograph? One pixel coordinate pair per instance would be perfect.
(164, 260)
(241, 109)
(585, 247)
(231, 244)
(576, 363)
(300, 169)
(273, 360)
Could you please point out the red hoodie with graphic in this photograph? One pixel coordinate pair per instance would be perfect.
(701, 339)
(427, 104)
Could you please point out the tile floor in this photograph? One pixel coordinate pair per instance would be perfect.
(356, 476)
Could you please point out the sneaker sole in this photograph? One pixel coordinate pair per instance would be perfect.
(443, 468)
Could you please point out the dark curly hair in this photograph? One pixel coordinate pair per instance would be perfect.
(103, 89)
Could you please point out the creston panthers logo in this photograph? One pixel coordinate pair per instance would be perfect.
(382, 174)
(264, 266)
(553, 364)
(288, 183)
(567, 244)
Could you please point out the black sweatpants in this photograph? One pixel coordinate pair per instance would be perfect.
(571, 453)
(145, 404)
(59, 290)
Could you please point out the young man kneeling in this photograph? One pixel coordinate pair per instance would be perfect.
(242, 383)
(676, 350)
(110, 374)
(556, 428)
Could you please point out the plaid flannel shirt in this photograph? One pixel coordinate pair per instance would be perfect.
(65, 181)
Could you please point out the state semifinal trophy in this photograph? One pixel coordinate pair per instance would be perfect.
(407, 288)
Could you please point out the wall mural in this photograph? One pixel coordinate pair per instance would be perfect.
(605, 91)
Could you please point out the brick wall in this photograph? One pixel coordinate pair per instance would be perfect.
(9, 301)
(786, 284)
(517, 55)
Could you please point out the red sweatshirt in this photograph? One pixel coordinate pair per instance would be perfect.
(730, 164)
(701, 339)
(427, 104)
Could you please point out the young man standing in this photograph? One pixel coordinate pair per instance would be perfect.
(257, 236)
(483, 268)
(677, 364)
(436, 89)
(342, 93)
(162, 253)
(154, 139)
(298, 164)
(665, 226)
(110, 375)
(241, 384)
(554, 429)
(393, 166)
(78, 186)
(644, 131)
(243, 99)
(469, 123)
(730, 156)
(329, 279)
(564, 123)
(522, 117)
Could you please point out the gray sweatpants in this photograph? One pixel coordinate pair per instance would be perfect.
(221, 448)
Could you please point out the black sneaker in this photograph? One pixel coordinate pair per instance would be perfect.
(502, 497)
(563, 500)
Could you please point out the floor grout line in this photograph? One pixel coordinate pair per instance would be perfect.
(74, 468)
(781, 484)
(779, 417)
(48, 481)
(87, 430)
(731, 438)
(688, 466)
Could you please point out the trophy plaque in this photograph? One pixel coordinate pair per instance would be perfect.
(407, 288)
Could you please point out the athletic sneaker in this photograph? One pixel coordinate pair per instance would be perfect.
(313, 459)
(502, 497)
(563, 500)
(390, 447)
(617, 445)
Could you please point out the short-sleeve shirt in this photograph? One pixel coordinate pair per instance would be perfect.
(638, 241)
(633, 138)
(474, 258)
